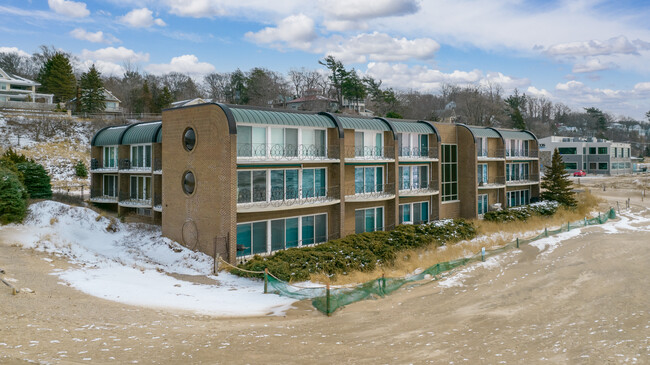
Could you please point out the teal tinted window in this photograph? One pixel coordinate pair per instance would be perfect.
(244, 239)
(320, 224)
(259, 237)
(567, 150)
(308, 230)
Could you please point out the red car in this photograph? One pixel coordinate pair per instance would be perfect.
(580, 173)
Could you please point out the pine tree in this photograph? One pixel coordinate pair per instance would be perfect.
(37, 181)
(13, 197)
(80, 169)
(557, 183)
(92, 92)
(164, 99)
(56, 77)
(514, 105)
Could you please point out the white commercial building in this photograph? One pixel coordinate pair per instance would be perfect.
(594, 156)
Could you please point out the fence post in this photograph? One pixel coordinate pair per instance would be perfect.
(517, 242)
(600, 221)
(585, 221)
(327, 300)
(568, 226)
(383, 283)
(545, 231)
(619, 207)
(483, 254)
(266, 280)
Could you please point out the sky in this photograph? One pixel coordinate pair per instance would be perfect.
(582, 53)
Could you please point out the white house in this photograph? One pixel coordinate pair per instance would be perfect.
(14, 88)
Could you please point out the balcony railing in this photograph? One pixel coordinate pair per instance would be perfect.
(124, 164)
(419, 187)
(370, 191)
(370, 152)
(286, 197)
(266, 151)
(132, 200)
(490, 152)
(491, 181)
(95, 165)
(418, 152)
(531, 178)
(521, 153)
(98, 196)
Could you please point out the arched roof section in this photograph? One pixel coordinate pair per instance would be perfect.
(512, 134)
(433, 126)
(336, 121)
(145, 132)
(357, 123)
(232, 127)
(108, 136)
(270, 117)
(484, 132)
(469, 129)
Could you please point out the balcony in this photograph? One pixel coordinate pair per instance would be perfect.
(523, 180)
(133, 201)
(369, 153)
(96, 167)
(492, 182)
(517, 153)
(263, 152)
(98, 196)
(490, 153)
(282, 199)
(419, 189)
(418, 153)
(125, 165)
(364, 193)
(157, 166)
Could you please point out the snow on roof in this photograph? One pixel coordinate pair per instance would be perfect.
(16, 80)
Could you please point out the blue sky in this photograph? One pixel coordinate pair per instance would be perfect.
(578, 52)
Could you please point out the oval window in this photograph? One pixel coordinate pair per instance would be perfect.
(189, 139)
(188, 183)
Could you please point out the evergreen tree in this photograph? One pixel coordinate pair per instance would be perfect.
(353, 88)
(56, 77)
(164, 100)
(515, 103)
(92, 92)
(338, 74)
(601, 122)
(37, 181)
(13, 197)
(80, 169)
(557, 183)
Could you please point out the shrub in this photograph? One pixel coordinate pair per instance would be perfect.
(358, 252)
(545, 208)
(13, 197)
(80, 169)
(37, 181)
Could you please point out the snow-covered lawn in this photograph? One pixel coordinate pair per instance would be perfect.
(132, 265)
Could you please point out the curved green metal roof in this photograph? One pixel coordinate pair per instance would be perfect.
(363, 124)
(108, 136)
(146, 132)
(516, 135)
(159, 135)
(269, 117)
(484, 132)
(411, 127)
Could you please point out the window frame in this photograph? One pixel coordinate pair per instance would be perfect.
(268, 185)
(449, 185)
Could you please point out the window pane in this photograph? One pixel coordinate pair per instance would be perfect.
(358, 143)
(380, 219)
(291, 142)
(291, 184)
(259, 141)
(140, 156)
(370, 220)
(277, 184)
(308, 183)
(308, 137)
(319, 141)
(291, 235)
(417, 213)
(379, 179)
(406, 211)
(424, 212)
(243, 186)
(277, 234)
(378, 145)
(321, 228)
(370, 179)
(424, 145)
(243, 239)
(320, 182)
(359, 221)
(307, 230)
(358, 180)
(259, 186)
(244, 140)
(259, 237)
(134, 187)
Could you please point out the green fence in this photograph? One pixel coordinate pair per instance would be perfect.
(328, 300)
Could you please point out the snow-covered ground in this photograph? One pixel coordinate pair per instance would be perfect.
(133, 264)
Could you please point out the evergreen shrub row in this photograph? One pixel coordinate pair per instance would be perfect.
(545, 208)
(357, 252)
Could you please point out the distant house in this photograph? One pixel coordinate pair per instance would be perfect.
(14, 88)
(312, 101)
(566, 128)
(112, 104)
(617, 126)
(188, 102)
(639, 129)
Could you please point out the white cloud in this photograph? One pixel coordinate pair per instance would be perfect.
(379, 47)
(187, 64)
(112, 54)
(404, 77)
(508, 83)
(337, 25)
(141, 18)
(616, 45)
(532, 90)
(259, 10)
(95, 37)
(72, 9)
(592, 65)
(295, 31)
(105, 67)
(366, 9)
(642, 87)
(20, 52)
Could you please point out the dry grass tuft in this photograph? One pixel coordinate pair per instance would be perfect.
(490, 235)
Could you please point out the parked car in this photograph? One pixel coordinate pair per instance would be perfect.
(580, 173)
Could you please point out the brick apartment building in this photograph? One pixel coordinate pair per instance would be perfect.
(241, 181)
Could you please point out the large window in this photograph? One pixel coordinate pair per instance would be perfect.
(592, 150)
(518, 197)
(517, 171)
(279, 184)
(369, 220)
(276, 142)
(141, 156)
(110, 185)
(517, 147)
(602, 150)
(567, 150)
(368, 143)
(570, 165)
(449, 172)
(110, 156)
(413, 144)
(482, 173)
(602, 166)
(482, 204)
(279, 234)
(413, 177)
(368, 179)
(141, 187)
(414, 213)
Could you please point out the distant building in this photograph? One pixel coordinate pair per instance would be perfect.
(188, 102)
(111, 103)
(567, 129)
(594, 156)
(14, 88)
(312, 101)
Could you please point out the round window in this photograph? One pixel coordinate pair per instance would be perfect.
(189, 139)
(188, 183)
